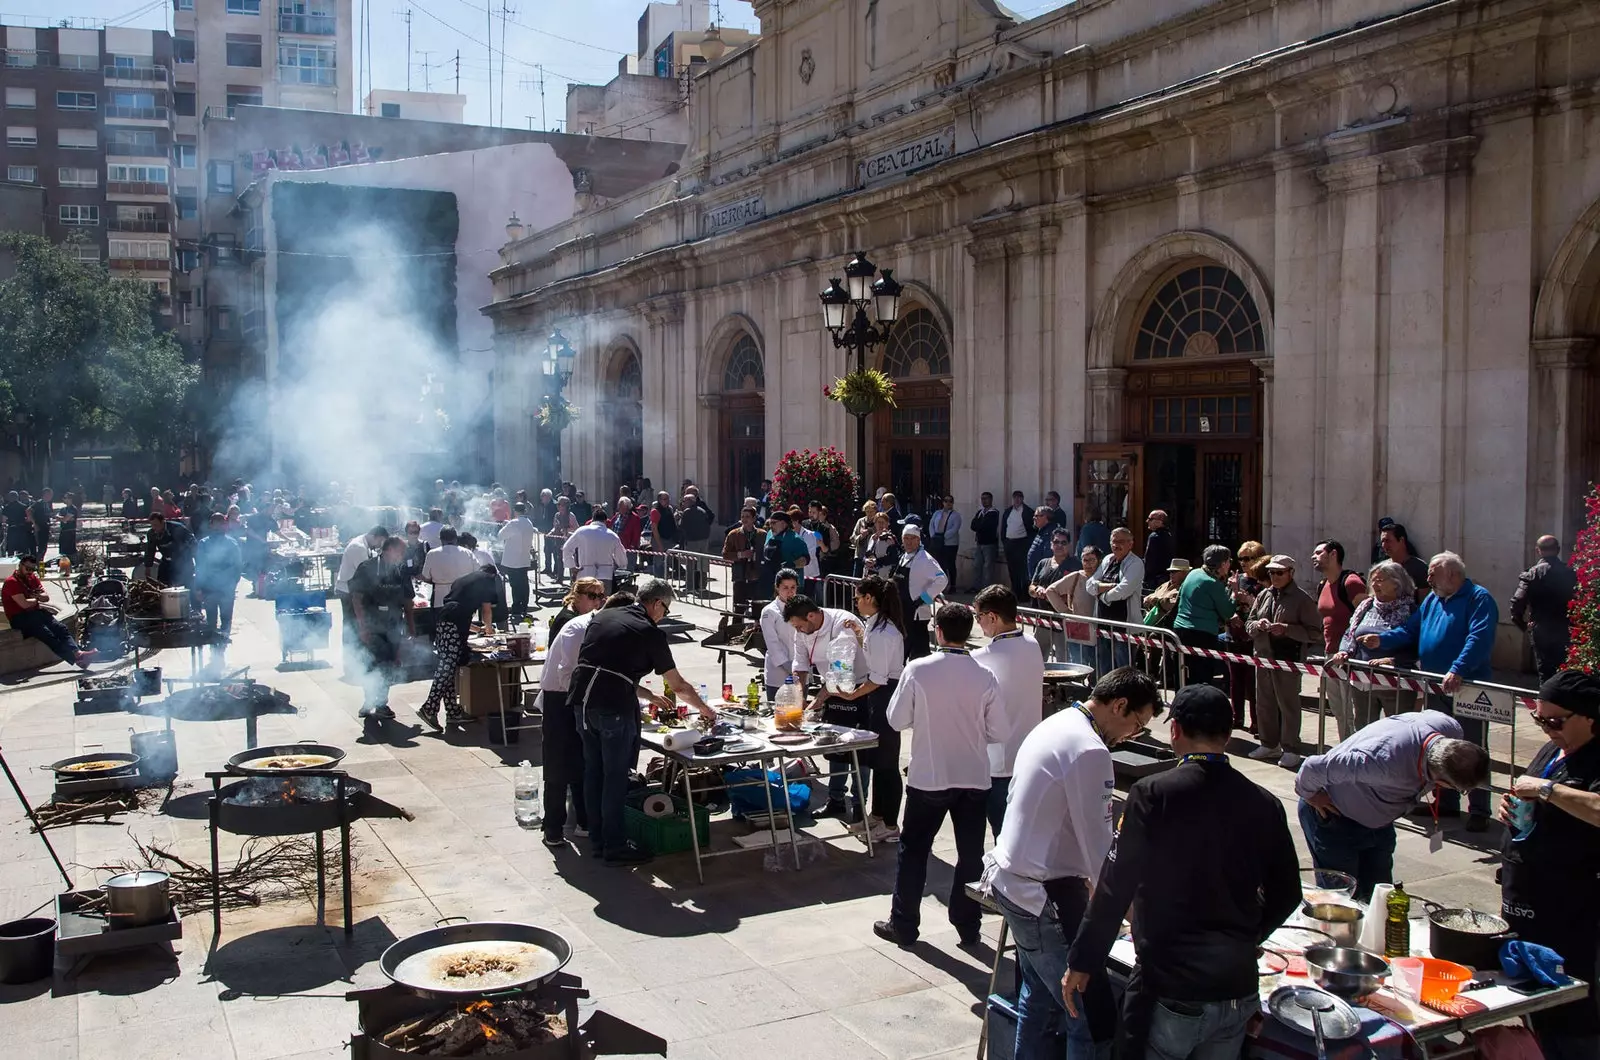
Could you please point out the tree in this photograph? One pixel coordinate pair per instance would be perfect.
(82, 357)
(1584, 611)
(824, 476)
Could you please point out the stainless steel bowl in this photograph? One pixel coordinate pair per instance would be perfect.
(1346, 971)
(1340, 921)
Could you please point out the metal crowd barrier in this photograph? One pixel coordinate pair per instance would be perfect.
(1095, 642)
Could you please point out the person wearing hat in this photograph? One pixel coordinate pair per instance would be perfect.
(1282, 622)
(1551, 855)
(1206, 862)
(921, 581)
(1351, 795)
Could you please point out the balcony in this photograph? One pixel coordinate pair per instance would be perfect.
(129, 187)
(308, 75)
(140, 264)
(150, 151)
(317, 25)
(115, 225)
(255, 325)
(157, 74)
(136, 113)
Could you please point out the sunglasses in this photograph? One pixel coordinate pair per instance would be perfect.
(594, 596)
(1552, 724)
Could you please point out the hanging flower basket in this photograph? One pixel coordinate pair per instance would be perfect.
(862, 392)
(556, 414)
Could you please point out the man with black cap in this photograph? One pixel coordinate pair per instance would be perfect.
(1551, 856)
(1207, 863)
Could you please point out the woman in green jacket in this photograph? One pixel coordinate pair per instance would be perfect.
(1204, 607)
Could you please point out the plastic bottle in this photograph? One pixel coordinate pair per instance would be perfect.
(842, 663)
(527, 806)
(753, 694)
(789, 709)
(541, 635)
(1397, 925)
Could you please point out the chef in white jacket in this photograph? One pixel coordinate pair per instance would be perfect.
(777, 634)
(922, 581)
(1018, 666)
(594, 550)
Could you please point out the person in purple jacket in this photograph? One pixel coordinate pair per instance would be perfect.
(1453, 633)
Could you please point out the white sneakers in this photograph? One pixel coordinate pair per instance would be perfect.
(1290, 760)
(882, 832)
(1263, 753)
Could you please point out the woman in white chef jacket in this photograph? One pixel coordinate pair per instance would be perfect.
(921, 581)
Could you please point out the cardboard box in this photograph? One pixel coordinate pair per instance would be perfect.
(479, 689)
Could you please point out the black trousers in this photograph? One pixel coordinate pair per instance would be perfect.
(745, 596)
(925, 814)
(1017, 565)
(888, 787)
(1201, 669)
(1550, 650)
(562, 756)
(517, 578)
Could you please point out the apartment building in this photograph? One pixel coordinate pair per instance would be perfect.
(294, 54)
(88, 121)
(421, 106)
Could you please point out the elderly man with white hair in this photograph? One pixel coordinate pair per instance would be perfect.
(1453, 632)
(921, 581)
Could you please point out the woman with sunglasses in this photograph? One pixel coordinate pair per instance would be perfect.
(1551, 855)
(586, 594)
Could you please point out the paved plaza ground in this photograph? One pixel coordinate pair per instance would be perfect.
(750, 960)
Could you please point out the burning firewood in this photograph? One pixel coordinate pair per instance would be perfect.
(482, 1028)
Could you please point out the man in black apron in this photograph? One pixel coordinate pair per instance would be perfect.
(381, 594)
(1206, 862)
(1551, 870)
(621, 646)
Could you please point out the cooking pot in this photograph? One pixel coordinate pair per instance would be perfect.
(138, 899)
(1340, 921)
(1478, 949)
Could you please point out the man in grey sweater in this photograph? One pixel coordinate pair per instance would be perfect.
(1351, 796)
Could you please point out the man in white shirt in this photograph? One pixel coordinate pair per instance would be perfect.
(1016, 534)
(1119, 580)
(594, 550)
(446, 564)
(516, 556)
(357, 552)
(562, 752)
(952, 706)
(1018, 665)
(944, 535)
(815, 629)
(430, 529)
(779, 637)
(1042, 868)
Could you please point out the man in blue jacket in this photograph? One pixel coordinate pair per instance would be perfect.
(1453, 632)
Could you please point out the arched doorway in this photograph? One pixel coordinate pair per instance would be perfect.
(1191, 414)
(623, 423)
(913, 438)
(742, 425)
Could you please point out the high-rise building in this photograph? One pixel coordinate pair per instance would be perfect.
(88, 120)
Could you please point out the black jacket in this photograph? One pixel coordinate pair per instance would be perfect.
(986, 527)
(1157, 558)
(1543, 593)
(1238, 878)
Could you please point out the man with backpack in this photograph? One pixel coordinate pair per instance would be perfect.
(1337, 597)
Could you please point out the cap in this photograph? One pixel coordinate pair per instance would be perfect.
(1385, 523)
(911, 530)
(1575, 690)
(1178, 564)
(1281, 562)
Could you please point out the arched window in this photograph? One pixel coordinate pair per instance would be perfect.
(630, 380)
(1203, 311)
(744, 370)
(917, 347)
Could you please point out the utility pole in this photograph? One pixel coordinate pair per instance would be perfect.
(458, 71)
(427, 73)
(506, 11)
(488, 15)
(537, 82)
(408, 48)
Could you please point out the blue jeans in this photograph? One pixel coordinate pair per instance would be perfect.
(995, 807)
(1199, 1030)
(1045, 1030)
(1343, 845)
(43, 627)
(610, 750)
(985, 558)
(1110, 655)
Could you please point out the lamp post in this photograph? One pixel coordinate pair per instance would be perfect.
(557, 367)
(855, 331)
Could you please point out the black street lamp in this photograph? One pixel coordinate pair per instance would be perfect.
(557, 367)
(855, 331)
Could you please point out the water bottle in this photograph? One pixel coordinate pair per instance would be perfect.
(789, 709)
(842, 663)
(525, 790)
(1521, 817)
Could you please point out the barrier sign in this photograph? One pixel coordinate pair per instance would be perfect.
(1485, 704)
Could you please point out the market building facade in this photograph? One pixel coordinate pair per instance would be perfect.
(1281, 268)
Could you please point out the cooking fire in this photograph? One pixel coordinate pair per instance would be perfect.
(482, 1028)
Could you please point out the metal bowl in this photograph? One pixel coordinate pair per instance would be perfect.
(1346, 971)
(1340, 921)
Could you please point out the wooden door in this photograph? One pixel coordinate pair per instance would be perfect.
(1110, 484)
(744, 456)
(913, 453)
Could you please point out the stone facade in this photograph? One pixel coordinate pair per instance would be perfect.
(1362, 236)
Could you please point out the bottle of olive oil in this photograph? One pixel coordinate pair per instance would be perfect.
(1397, 925)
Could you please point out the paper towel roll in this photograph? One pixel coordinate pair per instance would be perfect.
(1372, 928)
(657, 806)
(681, 739)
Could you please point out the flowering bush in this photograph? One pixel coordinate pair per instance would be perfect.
(1584, 611)
(824, 476)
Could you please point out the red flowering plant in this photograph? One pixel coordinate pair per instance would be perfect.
(823, 475)
(1584, 611)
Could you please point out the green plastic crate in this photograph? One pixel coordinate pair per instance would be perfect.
(667, 835)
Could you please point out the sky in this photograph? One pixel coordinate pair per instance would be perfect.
(573, 41)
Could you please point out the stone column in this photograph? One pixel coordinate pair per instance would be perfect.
(986, 402)
(1562, 436)
(1106, 386)
(1265, 366)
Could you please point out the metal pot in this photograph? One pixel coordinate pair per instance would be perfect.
(138, 899)
(1476, 949)
(1340, 921)
(1344, 971)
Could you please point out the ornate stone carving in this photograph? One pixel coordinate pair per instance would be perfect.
(808, 66)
